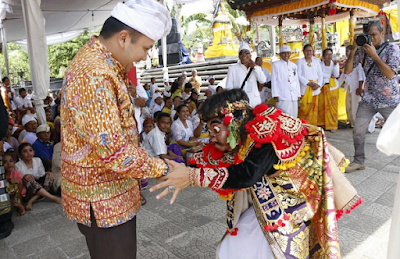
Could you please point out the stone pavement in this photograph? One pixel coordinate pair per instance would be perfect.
(192, 227)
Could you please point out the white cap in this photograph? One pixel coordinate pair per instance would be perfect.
(184, 73)
(285, 49)
(27, 118)
(244, 45)
(146, 16)
(210, 77)
(171, 80)
(43, 128)
(157, 95)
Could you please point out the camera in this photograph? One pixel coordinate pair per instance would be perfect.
(361, 40)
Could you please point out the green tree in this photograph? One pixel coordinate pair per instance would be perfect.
(240, 31)
(203, 30)
(60, 55)
(18, 62)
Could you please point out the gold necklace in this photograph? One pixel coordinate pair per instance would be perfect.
(309, 63)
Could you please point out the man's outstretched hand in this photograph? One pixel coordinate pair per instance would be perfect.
(178, 178)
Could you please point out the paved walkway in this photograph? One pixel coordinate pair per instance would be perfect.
(192, 227)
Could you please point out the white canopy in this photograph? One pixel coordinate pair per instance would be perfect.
(60, 15)
(34, 19)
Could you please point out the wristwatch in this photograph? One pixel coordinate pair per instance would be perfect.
(166, 171)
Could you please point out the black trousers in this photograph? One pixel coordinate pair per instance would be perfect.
(115, 242)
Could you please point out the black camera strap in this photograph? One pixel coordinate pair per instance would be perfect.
(384, 45)
(247, 77)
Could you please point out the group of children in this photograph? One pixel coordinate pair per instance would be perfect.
(26, 178)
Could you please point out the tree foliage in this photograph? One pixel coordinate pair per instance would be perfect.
(18, 62)
(60, 55)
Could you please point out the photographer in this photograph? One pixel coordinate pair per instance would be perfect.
(380, 61)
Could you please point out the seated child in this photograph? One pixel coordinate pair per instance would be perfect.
(15, 187)
(36, 180)
(148, 125)
(155, 142)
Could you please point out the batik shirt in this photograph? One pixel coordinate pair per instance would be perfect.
(101, 160)
(380, 91)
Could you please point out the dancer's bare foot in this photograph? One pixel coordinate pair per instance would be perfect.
(20, 208)
(333, 130)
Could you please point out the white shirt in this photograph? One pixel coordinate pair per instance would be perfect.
(157, 108)
(213, 88)
(173, 112)
(37, 169)
(185, 96)
(154, 143)
(328, 71)
(20, 102)
(308, 73)
(267, 74)
(352, 80)
(30, 137)
(141, 92)
(236, 75)
(153, 89)
(285, 81)
(179, 132)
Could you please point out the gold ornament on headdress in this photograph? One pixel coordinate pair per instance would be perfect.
(235, 106)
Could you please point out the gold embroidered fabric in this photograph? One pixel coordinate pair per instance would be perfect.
(101, 160)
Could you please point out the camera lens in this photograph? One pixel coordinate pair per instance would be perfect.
(361, 40)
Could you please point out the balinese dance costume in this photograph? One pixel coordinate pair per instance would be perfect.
(296, 196)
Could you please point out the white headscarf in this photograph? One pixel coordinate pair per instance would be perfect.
(146, 16)
(27, 118)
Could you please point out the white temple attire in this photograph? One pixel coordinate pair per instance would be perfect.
(236, 75)
(213, 89)
(157, 108)
(154, 143)
(328, 71)
(265, 93)
(350, 86)
(30, 137)
(141, 92)
(389, 143)
(179, 132)
(308, 73)
(153, 89)
(37, 169)
(285, 85)
(23, 102)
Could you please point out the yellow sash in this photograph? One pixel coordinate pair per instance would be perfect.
(308, 95)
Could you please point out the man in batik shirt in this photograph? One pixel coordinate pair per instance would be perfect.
(101, 160)
(380, 61)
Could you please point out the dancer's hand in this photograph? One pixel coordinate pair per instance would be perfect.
(178, 178)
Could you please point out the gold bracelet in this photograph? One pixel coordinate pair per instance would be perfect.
(192, 177)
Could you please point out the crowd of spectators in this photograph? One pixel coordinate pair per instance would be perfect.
(31, 151)
(171, 126)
